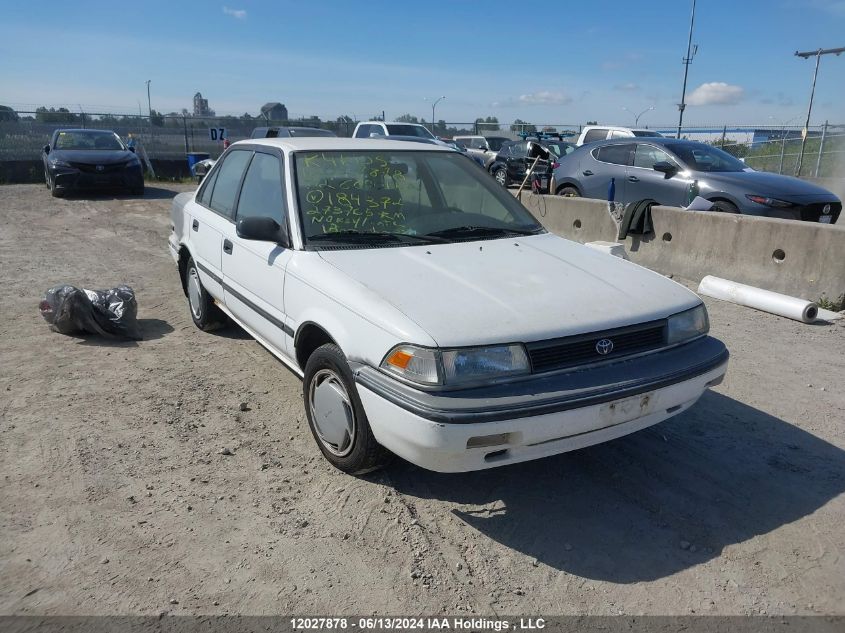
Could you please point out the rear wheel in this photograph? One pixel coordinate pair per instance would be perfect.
(501, 176)
(568, 191)
(137, 191)
(723, 206)
(205, 315)
(336, 416)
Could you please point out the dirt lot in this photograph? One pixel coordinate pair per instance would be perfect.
(115, 498)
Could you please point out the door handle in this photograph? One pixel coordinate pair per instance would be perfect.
(633, 179)
(227, 247)
(587, 172)
(195, 225)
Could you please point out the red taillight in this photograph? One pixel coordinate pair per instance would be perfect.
(555, 165)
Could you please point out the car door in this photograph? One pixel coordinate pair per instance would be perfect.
(643, 181)
(210, 217)
(600, 166)
(254, 271)
(517, 161)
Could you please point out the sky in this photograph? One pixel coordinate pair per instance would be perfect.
(561, 62)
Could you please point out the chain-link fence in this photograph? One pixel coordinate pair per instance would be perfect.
(773, 148)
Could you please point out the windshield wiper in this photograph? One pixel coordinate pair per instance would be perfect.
(375, 236)
(472, 231)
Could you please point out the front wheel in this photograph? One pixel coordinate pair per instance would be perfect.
(54, 190)
(336, 416)
(501, 176)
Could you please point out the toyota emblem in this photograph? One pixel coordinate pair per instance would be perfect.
(604, 346)
(100, 168)
(826, 209)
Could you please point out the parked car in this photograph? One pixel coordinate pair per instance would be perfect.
(369, 129)
(485, 147)
(513, 161)
(289, 132)
(427, 312)
(665, 169)
(593, 133)
(90, 159)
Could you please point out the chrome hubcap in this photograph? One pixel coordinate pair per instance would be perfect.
(195, 293)
(331, 412)
(500, 177)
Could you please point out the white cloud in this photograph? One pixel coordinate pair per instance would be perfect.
(544, 97)
(238, 14)
(627, 87)
(716, 93)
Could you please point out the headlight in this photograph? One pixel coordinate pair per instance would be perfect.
(688, 324)
(456, 366)
(60, 163)
(769, 202)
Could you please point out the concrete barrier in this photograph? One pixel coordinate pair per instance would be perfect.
(802, 259)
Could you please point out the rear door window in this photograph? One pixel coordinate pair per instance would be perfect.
(615, 154)
(228, 180)
(596, 134)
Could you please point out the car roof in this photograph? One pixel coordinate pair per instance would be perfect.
(393, 123)
(656, 140)
(616, 127)
(82, 129)
(326, 144)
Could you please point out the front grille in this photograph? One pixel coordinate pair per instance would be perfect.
(88, 168)
(577, 350)
(812, 212)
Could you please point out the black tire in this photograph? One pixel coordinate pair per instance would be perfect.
(137, 191)
(357, 452)
(204, 313)
(55, 191)
(568, 191)
(723, 206)
(501, 176)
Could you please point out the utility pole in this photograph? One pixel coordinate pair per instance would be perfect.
(687, 61)
(818, 55)
(149, 106)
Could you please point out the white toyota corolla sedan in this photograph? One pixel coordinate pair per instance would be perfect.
(427, 311)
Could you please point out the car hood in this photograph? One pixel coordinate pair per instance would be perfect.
(92, 156)
(508, 290)
(765, 183)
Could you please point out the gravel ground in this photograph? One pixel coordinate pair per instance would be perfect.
(119, 496)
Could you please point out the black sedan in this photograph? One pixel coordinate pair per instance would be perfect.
(90, 159)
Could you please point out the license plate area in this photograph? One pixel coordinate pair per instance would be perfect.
(627, 409)
(825, 219)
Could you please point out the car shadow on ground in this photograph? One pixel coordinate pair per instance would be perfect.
(151, 330)
(651, 504)
(150, 193)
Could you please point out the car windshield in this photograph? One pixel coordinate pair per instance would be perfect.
(391, 198)
(701, 157)
(646, 133)
(496, 143)
(408, 130)
(85, 139)
(309, 131)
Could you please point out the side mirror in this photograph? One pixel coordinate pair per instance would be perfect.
(131, 148)
(262, 230)
(46, 149)
(665, 167)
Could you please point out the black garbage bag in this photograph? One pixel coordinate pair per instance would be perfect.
(112, 313)
(637, 219)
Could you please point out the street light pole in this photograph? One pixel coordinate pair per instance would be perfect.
(433, 105)
(637, 116)
(805, 132)
(687, 61)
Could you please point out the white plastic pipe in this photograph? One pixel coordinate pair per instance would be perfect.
(759, 299)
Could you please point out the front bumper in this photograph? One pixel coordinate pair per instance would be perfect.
(69, 178)
(503, 424)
